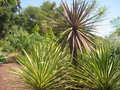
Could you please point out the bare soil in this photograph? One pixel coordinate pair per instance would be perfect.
(8, 79)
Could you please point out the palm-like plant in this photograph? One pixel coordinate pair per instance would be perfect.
(78, 22)
(98, 70)
(42, 67)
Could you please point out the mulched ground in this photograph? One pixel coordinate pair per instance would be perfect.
(8, 80)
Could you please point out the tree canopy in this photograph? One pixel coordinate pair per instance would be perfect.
(116, 24)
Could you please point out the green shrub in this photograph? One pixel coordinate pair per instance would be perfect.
(97, 70)
(6, 46)
(3, 56)
(42, 67)
(115, 47)
(19, 38)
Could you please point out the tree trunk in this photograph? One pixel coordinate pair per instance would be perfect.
(73, 52)
(74, 57)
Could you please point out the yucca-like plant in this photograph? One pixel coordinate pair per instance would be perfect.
(97, 70)
(42, 66)
(78, 22)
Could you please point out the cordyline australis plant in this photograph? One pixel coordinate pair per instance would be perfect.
(79, 23)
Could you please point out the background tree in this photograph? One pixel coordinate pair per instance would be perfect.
(28, 18)
(33, 16)
(12, 2)
(116, 24)
(7, 9)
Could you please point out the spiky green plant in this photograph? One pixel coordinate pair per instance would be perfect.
(97, 70)
(78, 22)
(42, 66)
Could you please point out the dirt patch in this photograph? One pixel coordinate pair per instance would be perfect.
(9, 80)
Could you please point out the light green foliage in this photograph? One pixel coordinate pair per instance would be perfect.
(47, 30)
(19, 38)
(116, 24)
(115, 46)
(98, 70)
(36, 28)
(102, 10)
(3, 56)
(42, 66)
(114, 40)
(44, 26)
(50, 33)
(6, 46)
(116, 33)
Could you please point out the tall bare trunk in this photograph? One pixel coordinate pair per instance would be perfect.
(74, 57)
(73, 52)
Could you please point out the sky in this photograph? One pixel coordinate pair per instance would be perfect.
(105, 27)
